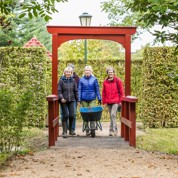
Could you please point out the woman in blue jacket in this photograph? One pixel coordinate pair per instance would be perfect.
(88, 89)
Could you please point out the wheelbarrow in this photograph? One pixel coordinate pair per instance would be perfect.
(91, 119)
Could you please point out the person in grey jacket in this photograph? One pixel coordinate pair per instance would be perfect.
(67, 96)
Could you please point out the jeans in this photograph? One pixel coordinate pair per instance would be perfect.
(74, 116)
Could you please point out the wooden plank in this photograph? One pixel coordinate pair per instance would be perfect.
(55, 121)
(52, 98)
(131, 99)
(126, 122)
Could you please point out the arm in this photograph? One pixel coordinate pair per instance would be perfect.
(60, 95)
(121, 89)
(103, 94)
(79, 90)
(76, 92)
(97, 90)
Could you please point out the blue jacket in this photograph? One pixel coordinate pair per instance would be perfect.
(88, 89)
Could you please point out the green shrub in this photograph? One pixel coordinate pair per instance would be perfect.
(26, 71)
(99, 70)
(160, 92)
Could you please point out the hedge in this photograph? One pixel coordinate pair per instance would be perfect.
(99, 70)
(160, 93)
(24, 70)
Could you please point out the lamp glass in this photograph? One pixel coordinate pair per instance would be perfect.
(85, 19)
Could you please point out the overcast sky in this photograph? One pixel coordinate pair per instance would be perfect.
(70, 11)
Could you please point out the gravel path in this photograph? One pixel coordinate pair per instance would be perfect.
(99, 157)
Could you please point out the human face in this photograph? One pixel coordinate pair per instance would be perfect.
(68, 73)
(87, 72)
(110, 74)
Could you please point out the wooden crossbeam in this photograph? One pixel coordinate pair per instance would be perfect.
(126, 122)
(55, 121)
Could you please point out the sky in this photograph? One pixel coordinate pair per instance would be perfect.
(70, 11)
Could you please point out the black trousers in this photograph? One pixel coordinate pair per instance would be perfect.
(68, 110)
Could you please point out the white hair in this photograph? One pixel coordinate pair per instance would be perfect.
(88, 68)
(68, 69)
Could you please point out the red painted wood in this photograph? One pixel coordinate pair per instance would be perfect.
(52, 114)
(129, 112)
(63, 30)
(132, 141)
(61, 34)
(54, 63)
(131, 99)
(126, 129)
(128, 65)
(50, 126)
(56, 116)
(122, 35)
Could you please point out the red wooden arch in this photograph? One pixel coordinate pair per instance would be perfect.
(61, 34)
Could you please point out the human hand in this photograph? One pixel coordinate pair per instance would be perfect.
(99, 102)
(63, 100)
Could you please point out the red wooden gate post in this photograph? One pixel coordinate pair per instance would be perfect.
(53, 119)
(128, 119)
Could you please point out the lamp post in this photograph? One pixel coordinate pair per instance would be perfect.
(85, 20)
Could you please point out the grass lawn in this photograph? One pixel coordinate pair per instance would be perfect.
(35, 139)
(161, 140)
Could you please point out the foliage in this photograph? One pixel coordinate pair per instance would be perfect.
(24, 80)
(13, 118)
(100, 49)
(22, 30)
(145, 14)
(25, 70)
(161, 140)
(99, 70)
(160, 92)
(32, 8)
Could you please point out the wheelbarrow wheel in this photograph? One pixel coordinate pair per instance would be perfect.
(92, 133)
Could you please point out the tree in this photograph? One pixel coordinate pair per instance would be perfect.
(21, 30)
(97, 49)
(145, 14)
(32, 8)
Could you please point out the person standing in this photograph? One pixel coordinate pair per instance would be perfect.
(112, 92)
(76, 79)
(88, 89)
(67, 95)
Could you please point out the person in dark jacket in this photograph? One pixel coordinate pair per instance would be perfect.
(112, 92)
(67, 96)
(76, 79)
(88, 90)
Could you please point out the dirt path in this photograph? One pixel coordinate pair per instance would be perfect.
(99, 157)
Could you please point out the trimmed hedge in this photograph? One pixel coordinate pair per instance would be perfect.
(99, 70)
(160, 93)
(25, 81)
(24, 70)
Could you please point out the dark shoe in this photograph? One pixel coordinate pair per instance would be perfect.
(87, 133)
(64, 126)
(72, 133)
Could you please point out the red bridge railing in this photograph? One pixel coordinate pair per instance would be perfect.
(53, 119)
(128, 119)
